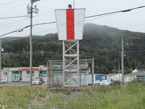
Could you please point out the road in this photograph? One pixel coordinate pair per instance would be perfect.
(18, 83)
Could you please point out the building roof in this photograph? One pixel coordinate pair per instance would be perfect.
(113, 74)
(140, 72)
(129, 74)
(101, 74)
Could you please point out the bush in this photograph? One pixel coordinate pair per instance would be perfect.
(68, 91)
(116, 83)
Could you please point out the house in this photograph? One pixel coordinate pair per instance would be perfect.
(55, 76)
(23, 73)
(140, 75)
(128, 77)
(115, 77)
(118, 77)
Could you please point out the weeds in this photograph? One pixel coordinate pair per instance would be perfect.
(68, 91)
(124, 96)
(13, 96)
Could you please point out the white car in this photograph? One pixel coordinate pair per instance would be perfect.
(36, 82)
(105, 83)
(3, 81)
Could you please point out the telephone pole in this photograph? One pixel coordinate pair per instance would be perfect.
(74, 4)
(30, 11)
(31, 15)
(122, 60)
(0, 62)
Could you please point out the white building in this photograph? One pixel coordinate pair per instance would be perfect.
(115, 77)
(23, 73)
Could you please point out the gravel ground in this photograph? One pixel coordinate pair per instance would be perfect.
(39, 105)
(18, 83)
(73, 95)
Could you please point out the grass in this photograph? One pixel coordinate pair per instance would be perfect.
(20, 96)
(125, 96)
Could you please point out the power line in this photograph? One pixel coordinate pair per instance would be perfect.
(14, 22)
(115, 12)
(21, 29)
(45, 30)
(74, 4)
(126, 10)
(8, 2)
(98, 14)
(18, 30)
(44, 23)
(13, 17)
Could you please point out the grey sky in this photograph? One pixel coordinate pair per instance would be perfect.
(133, 21)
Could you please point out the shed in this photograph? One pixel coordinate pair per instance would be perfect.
(140, 75)
(128, 77)
(99, 77)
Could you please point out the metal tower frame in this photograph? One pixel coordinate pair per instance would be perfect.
(71, 63)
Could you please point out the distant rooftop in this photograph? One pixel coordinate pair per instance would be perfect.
(140, 72)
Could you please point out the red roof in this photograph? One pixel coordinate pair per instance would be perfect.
(29, 68)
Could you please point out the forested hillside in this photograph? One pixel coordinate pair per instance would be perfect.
(101, 42)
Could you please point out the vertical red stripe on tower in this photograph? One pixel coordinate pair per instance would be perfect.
(70, 24)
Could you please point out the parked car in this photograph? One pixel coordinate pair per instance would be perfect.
(41, 79)
(105, 83)
(36, 81)
(3, 81)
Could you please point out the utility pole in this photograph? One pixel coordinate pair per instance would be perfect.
(0, 62)
(119, 68)
(74, 4)
(30, 11)
(122, 60)
(92, 72)
(31, 15)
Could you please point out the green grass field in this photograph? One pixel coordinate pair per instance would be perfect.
(125, 96)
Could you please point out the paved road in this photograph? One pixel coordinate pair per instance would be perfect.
(18, 83)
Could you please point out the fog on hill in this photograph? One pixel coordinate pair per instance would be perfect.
(100, 42)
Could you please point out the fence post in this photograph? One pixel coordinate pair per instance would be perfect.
(92, 72)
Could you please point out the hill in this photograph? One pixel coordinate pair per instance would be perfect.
(101, 42)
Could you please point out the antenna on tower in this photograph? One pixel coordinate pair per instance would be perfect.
(28, 9)
(74, 3)
(36, 9)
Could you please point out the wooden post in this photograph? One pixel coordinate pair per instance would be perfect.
(92, 72)
(0, 62)
(48, 74)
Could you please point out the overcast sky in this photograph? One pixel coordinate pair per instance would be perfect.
(132, 21)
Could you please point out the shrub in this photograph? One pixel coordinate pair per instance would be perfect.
(116, 83)
(68, 91)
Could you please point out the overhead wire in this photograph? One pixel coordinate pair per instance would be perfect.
(17, 30)
(13, 17)
(114, 12)
(14, 22)
(126, 10)
(8, 2)
(45, 30)
(109, 13)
